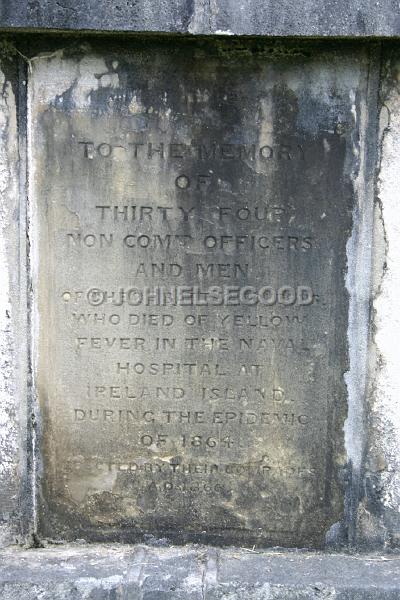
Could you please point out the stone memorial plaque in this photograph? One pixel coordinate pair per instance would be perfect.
(191, 205)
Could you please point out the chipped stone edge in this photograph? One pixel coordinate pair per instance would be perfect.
(379, 511)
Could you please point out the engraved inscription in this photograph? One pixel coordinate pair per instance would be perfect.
(191, 226)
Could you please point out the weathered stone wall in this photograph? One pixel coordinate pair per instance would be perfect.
(14, 495)
(307, 18)
(116, 572)
(380, 503)
(372, 435)
(348, 97)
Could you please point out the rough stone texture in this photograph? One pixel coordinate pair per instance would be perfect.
(359, 281)
(131, 15)
(13, 315)
(379, 512)
(198, 573)
(259, 451)
(306, 18)
(229, 17)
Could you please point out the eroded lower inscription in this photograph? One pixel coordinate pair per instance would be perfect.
(192, 214)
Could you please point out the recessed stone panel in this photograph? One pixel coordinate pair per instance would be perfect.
(191, 214)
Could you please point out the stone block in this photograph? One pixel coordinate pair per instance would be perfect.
(148, 573)
(193, 215)
(307, 18)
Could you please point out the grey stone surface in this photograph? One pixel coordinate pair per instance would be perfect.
(376, 518)
(131, 15)
(379, 510)
(198, 573)
(13, 315)
(232, 17)
(146, 427)
(307, 17)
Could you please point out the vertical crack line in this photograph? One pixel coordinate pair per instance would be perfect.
(210, 565)
(201, 19)
(24, 143)
(212, 13)
(24, 350)
(203, 567)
